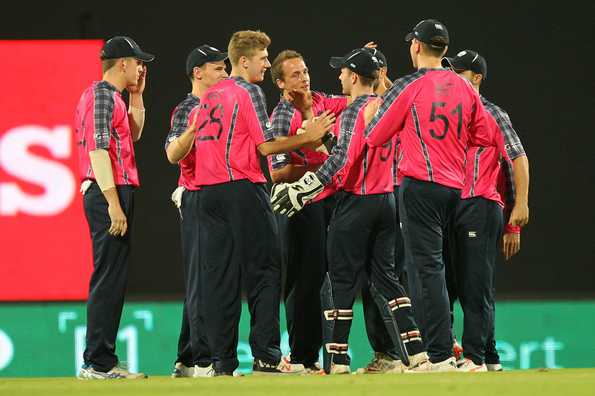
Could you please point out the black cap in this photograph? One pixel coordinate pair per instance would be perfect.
(361, 61)
(467, 60)
(427, 30)
(379, 55)
(124, 47)
(201, 55)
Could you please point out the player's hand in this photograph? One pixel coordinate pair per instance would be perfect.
(192, 125)
(139, 88)
(301, 99)
(119, 224)
(371, 44)
(371, 110)
(318, 126)
(511, 244)
(519, 215)
(290, 198)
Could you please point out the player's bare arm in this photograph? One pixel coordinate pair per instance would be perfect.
(136, 109)
(102, 168)
(314, 131)
(180, 147)
(292, 172)
(520, 212)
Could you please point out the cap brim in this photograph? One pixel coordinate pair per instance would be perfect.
(144, 56)
(447, 62)
(336, 62)
(409, 36)
(453, 64)
(219, 57)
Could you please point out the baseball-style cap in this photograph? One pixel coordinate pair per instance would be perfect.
(467, 60)
(360, 61)
(426, 30)
(379, 55)
(201, 55)
(124, 47)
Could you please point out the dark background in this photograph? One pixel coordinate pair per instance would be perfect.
(540, 68)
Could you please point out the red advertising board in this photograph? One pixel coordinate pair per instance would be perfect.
(45, 248)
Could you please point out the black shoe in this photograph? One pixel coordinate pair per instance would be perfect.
(260, 367)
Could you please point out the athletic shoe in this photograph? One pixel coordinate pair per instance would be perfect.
(203, 372)
(285, 366)
(448, 365)
(313, 368)
(223, 374)
(469, 367)
(381, 363)
(181, 371)
(87, 372)
(417, 360)
(494, 367)
(340, 369)
(457, 351)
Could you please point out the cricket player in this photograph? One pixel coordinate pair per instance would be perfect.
(437, 115)
(383, 361)
(105, 132)
(362, 229)
(239, 245)
(205, 67)
(479, 220)
(305, 233)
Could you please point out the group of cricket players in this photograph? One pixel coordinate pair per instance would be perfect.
(402, 192)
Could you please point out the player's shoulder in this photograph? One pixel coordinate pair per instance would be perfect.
(284, 107)
(352, 111)
(402, 83)
(489, 104)
(247, 87)
(493, 108)
(104, 89)
(188, 103)
(104, 85)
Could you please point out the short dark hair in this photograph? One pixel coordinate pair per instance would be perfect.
(437, 46)
(277, 65)
(107, 64)
(369, 81)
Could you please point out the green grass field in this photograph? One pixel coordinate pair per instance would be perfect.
(563, 382)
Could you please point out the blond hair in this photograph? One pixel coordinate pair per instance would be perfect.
(246, 43)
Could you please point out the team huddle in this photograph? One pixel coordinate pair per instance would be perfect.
(404, 191)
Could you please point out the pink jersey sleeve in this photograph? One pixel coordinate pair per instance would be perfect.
(480, 131)
(334, 103)
(392, 113)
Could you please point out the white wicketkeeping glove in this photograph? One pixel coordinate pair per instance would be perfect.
(176, 196)
(290, 198)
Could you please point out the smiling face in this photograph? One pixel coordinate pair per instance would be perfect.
(256, 65)
(210, 73)
(295, 75)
